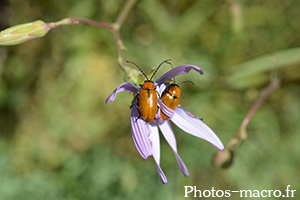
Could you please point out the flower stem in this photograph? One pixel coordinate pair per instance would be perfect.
(120, 48)
(272, 86)
(224, 158)
(241, 134)
(115, 27)
(68, 21)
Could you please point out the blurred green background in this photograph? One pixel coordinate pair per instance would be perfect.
(59, 140)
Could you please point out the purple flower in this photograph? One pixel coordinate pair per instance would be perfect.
(146, 135)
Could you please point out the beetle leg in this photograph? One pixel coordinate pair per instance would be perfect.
(139, 113)
(137, 104)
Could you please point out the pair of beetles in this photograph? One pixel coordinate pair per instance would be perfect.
(147, 98)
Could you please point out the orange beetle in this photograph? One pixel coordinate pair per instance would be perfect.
(148, 101)
(147, 98)
(171, 97)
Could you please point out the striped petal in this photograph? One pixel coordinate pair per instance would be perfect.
(195, 126)
(168, 133)
(140, 132)
(182, 69)
(154, 137)
(126, 86)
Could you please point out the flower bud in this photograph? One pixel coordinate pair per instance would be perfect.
(223, 158)
(23, 33)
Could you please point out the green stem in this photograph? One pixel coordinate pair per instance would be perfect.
(120, 48)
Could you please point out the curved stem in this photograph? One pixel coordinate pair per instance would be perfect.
(273, 85)
(241, 133)
(120, 48)
(113, 27)
(224, 158)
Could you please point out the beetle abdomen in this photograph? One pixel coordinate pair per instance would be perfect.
(148, 104)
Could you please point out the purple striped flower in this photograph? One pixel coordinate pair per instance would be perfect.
(146, 135)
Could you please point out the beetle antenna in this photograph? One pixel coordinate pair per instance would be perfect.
(139, 69)
(165, 61)
(172, 68)
(169, 63)
(186, 82)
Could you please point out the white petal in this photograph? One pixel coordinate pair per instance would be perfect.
(194, 126)
(182, 69)
(140, 132)
(168, 133)
(126, 86)
(154, 137)
(166, 110)
(160, 89)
